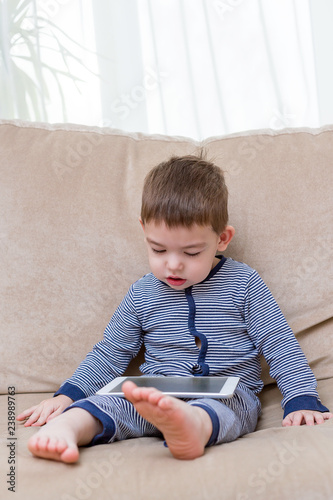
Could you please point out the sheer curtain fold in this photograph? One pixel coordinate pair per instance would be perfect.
(194, 68)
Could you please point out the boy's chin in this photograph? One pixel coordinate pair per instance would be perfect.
(183, 287)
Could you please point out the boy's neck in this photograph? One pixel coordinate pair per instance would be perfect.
(215, 262)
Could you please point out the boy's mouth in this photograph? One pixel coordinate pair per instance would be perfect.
(175, 281)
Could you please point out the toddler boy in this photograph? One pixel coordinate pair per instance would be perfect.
(197, 313)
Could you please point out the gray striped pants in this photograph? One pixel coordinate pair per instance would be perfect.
(231, 418)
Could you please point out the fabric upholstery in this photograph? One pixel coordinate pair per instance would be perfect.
(71, 244)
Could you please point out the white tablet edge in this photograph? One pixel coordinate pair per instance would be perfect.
(110, 385)
(229, 387)
(226, 391)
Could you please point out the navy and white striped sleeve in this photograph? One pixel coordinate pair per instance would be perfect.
(274, 339)
(110, 357)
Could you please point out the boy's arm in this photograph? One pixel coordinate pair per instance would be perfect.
(288, 366)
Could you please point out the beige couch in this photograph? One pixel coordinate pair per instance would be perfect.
(70, 247)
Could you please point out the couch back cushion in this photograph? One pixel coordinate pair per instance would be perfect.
(71, 243)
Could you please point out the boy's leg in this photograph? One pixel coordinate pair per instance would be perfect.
(90, 421)
(234, 417)
(59, 439)
(188, 427)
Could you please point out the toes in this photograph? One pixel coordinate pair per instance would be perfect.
(147, 394)
(54, 448)
(166, 403)
(156, 396)
(33, 444)
(43, 443)
(136, 394)
(61, 446)
(70, 455)
(128, 389)
(51, 445)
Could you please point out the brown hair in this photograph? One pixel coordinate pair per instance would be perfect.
(186, 190)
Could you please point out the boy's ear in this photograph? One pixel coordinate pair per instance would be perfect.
(225, 238)
(142, 224)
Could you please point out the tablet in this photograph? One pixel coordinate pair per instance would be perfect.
(180, 387)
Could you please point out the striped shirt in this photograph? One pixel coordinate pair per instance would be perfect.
(233, 314)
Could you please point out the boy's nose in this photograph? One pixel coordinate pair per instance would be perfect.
(174, 265)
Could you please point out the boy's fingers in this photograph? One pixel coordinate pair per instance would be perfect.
(319, 419)
(294, 418)
(36, 416)
(297, 418)
(40, 418)
(306, 417)
(26, 413)
(40, 414)
(286, 422)
(31, 420)
(310, 419)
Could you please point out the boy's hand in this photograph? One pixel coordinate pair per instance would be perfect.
(307, 417)
(45, 411)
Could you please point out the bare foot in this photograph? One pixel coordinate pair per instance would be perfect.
(59, 439)
(186, 429)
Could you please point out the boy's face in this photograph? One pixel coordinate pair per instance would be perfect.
(181, 256)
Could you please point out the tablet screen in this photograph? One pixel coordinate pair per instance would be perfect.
(186, 385)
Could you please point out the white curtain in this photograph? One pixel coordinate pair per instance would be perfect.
(182, 67)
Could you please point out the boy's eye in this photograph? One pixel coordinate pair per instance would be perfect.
(155, 250)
